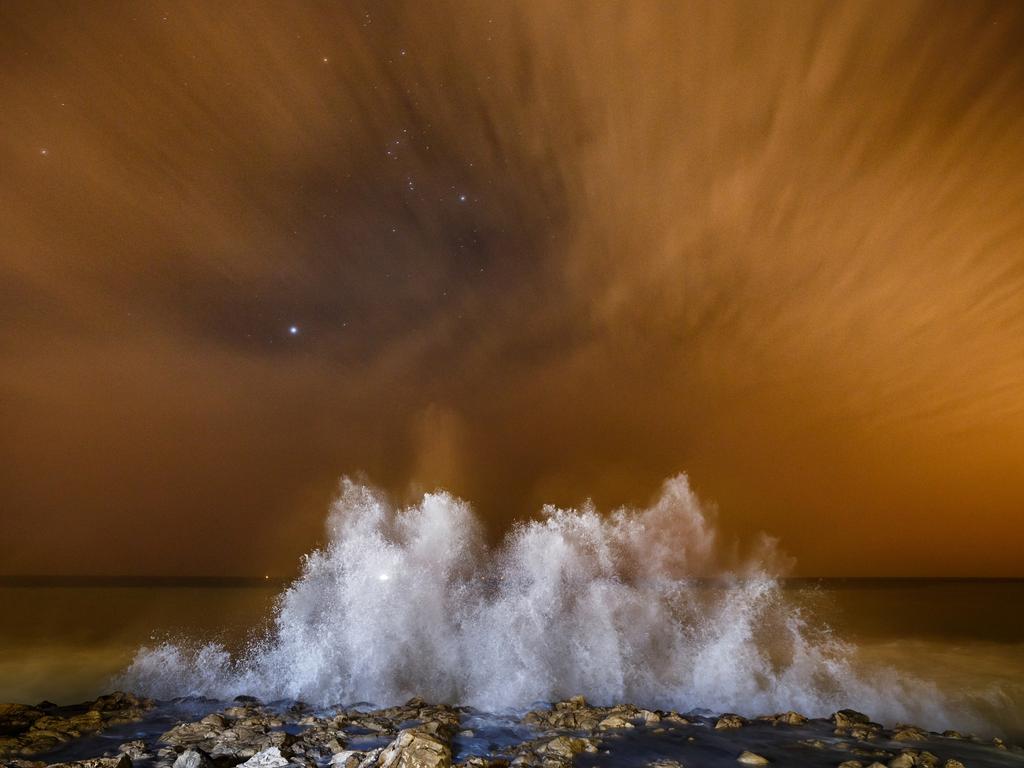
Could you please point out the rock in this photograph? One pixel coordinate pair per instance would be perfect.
(564, 746)
(576, 702)
(15, 718)
(347, 759)
(119, 700)
(267, 758)
(194, 758)
(904, 760)
(729, 720)
(122, 761)
(908, 733)
(665, 764)
(136, 750)
(485, 762)
(75, 726)
(846, 718)
(675, 717)
(416, 748)
(998, 743)
(649, 717)
(750, 758)
(370, 758)
(861, 732)
(615, 721)
(851, 764)
(926, 760)
(951, 763)
(790, 718)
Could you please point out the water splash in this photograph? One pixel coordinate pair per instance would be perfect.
(411, 601)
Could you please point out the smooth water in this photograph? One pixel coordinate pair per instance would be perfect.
(411, 601)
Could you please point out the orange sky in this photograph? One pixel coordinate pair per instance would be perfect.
(533, 252)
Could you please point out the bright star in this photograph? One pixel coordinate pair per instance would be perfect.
(294, 330)
(462, 198)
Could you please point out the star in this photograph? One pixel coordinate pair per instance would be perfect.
(293, 330)
(462, 198)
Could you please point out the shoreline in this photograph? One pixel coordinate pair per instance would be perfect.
(122, 730)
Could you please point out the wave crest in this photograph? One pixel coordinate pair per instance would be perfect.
(411, 601)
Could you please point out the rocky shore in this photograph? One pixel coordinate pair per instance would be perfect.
(121, 730)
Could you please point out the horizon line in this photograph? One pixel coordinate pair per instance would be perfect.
(205, 580)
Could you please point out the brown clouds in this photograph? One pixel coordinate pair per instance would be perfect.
(778, 246)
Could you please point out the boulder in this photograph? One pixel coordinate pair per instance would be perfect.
(267, 758)
(729, 720)
(784, 718)
(121, 761)
(952, 763)
(846, 718)
(347, 759)
(615, 721)
(416, 748)
(904, 760)
(136, 750)
(564, 746)
(908, 733)
(193, 758)
(15, 718)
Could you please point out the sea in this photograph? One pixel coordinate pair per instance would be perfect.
(67, 640)
(637, 606)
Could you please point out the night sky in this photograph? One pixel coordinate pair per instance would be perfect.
(533, 251)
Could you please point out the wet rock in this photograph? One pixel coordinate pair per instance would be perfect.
(908, 733)
(484, 762)
(904, 760)
(136, 750)
(951, 763)
(861, 732)
(370, 758)
(665, 764)
(954, 735)
(615, 721)
(729, 720)
(416, 748)
(675, 717)
(786, 718)
(267, 758)
(15, 718)
(193, 758)
(649, 717)
(19, 763)
(751, 758)
(119, 700)
(122, 761)
(564, 746)
(998, 743)
(74, 726)
(851, 764)
(349, 758)
(846, 718)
